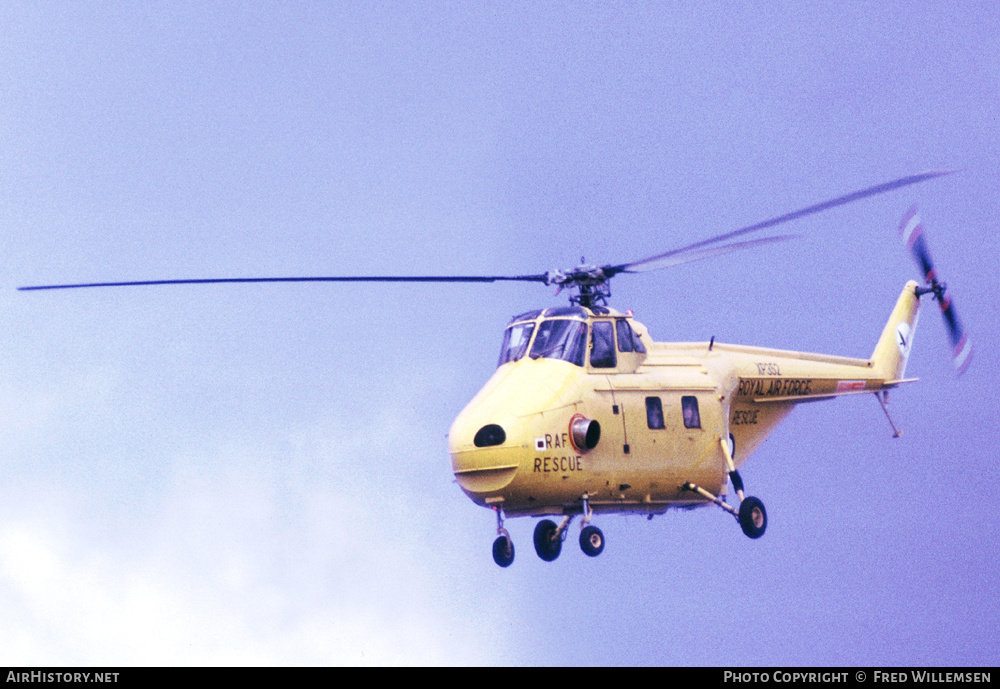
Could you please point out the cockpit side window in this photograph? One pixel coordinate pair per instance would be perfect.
(628, 339)
(637, 342)
(561, 338)
(624, 337)
(602, 349)
(515, 342)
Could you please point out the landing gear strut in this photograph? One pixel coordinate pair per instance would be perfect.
(751, 514)
(503, 547)
(591, 538)
(549, 537)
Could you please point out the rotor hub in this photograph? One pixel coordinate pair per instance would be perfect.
(590, 281)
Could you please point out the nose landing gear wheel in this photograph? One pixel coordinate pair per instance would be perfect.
(503, 551)
(547, 544)
(591, 541)
(753, 517)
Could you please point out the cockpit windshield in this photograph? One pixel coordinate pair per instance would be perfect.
(561, 338)
(515, 342)
(556, 337)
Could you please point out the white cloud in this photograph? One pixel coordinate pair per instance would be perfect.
(245, 559)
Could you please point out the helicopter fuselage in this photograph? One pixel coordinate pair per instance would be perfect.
(608, 416)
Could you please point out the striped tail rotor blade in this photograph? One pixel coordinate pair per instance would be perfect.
(961, 348)
(913, 236)
(912, 230)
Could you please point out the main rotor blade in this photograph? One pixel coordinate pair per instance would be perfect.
(787, 217)
(350, 278)
(707, 252)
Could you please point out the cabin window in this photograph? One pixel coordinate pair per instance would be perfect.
(602, 348)
(689, 408)
(561, 338)
(654, 413)
(515, 342)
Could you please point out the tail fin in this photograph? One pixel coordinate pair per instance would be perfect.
(893, 348)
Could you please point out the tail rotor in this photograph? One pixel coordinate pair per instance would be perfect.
(913, 236)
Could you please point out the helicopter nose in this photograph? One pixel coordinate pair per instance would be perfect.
(485, 466)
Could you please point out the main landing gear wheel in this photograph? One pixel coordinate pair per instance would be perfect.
(753, 517)
(503, 551)
(547, 544)
(591, 541)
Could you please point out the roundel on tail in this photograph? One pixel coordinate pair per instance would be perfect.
(904, 338)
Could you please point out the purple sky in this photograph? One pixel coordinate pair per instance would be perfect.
(242, 475)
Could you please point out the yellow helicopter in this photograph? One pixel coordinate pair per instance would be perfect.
(587, 415)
